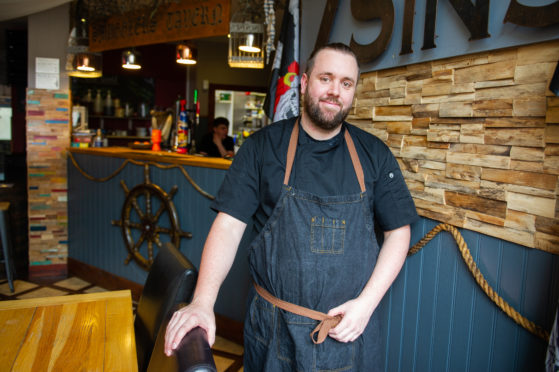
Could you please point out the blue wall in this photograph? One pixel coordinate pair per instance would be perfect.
(438, 319)
(435, 317)
(92, 206)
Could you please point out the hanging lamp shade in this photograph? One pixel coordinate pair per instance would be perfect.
(80, 61)
(246, 45)
(85, 64)
(186, 54)
(246, 37)
(131, 59)
(251, 44)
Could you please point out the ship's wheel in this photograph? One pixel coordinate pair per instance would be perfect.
(147, 215)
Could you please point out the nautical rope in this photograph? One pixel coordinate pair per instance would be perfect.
(143, 163)
(490, 292)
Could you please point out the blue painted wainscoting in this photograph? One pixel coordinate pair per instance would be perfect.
(437, 318)
(434, 318)
(94, 240)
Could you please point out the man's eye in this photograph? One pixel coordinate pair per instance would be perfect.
(325, 79)
(347, 84)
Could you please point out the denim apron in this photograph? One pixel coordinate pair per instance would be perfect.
(317, 252)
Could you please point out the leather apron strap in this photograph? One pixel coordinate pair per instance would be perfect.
(327, 322)
(350, 146)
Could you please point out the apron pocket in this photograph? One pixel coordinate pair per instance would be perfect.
(261, 320)
(296, 347)
(327, 235)
(294, 342)
(332, 355)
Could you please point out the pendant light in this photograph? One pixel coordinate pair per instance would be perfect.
(246, 37)
(85, 62)
(80, 61)
(250, 45)
(131, 59)
(186, 54)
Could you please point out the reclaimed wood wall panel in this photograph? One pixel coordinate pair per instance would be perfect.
(477, 138)
(48, 136)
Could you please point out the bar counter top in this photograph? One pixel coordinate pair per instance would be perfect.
(155, 156)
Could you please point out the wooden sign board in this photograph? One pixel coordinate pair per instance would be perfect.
(182, 20)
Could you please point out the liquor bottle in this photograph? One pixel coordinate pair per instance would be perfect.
(98, 103)
(109, 104)
(182, 130)
(98, 140)
(88, 101)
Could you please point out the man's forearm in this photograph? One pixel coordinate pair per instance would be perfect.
(357, 312)
(389, 263)
(218, 256)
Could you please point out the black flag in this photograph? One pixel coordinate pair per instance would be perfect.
(282, 100)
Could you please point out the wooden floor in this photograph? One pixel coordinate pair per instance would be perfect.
(227, 354)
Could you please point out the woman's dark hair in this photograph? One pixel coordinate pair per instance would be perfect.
(339, 47)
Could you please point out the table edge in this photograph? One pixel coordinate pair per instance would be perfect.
(60, 300)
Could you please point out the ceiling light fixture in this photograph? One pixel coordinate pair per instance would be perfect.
(84, 62)
(250, 45)
(246, 36)
(131, 59)
(186, 55)
(80, 61)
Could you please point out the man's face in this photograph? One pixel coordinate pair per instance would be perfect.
(329, 89)
(221, 131)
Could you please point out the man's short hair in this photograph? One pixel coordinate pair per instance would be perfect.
(339, 47)
(220, 121)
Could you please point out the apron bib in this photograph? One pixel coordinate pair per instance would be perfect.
(317, 252)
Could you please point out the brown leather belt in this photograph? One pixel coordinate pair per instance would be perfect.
(327, 322)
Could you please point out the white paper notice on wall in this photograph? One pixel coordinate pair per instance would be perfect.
(47, 75)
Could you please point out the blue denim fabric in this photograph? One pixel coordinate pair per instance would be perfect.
(316, 252)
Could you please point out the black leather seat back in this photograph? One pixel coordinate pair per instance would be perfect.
(171, 281)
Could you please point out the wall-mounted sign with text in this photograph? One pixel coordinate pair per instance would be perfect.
(176, 21)
(390, 33)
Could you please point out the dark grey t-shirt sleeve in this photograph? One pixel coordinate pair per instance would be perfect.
(239, 193)
(393, 204)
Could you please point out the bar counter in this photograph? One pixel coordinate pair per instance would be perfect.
(156, 156)
(121, 201)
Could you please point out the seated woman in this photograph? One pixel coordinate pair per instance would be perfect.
(217, 143)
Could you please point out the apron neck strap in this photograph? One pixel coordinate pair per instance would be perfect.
(355, 160)
(291, 152)
(350, 146)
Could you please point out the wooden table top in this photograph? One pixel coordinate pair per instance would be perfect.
(85, 332)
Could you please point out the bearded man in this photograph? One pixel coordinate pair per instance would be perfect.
(314, 187)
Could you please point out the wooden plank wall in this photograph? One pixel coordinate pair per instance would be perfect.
(477, 138)
(48, 131)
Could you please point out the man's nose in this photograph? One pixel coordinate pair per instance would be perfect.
(334, 89)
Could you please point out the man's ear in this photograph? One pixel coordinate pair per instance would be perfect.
(304, 81)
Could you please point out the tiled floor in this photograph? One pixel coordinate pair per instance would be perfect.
(227, 354)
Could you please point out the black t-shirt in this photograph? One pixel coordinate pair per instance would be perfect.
(253, 183)
(208, 146)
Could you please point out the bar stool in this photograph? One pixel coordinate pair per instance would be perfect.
(5, 240)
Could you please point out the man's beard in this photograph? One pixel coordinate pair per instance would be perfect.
(319, 118)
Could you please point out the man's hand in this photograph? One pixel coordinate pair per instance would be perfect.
(186, 319)
(357, 312)
(218, 141)
(356, 315)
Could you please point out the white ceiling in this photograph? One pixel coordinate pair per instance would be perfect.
(11, 9)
